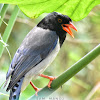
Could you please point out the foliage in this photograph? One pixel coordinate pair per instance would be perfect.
(8, 29)
(75, 9)
(2, 12)
(68, 55)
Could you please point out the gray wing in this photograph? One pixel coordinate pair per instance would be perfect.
(35, 47)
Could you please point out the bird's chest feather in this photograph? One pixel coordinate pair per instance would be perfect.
(33, 73)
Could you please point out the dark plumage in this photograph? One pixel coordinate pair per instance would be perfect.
(37, 51)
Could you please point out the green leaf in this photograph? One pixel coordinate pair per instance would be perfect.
(75, 9)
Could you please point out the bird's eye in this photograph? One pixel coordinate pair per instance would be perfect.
(59, 20)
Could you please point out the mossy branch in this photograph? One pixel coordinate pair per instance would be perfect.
(69, 73)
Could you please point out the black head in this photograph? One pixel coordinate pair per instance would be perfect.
(57, 22)
(53, 21)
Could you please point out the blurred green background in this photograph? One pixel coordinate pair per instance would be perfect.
(83, 86)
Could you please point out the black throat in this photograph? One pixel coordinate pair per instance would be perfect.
(62, 37)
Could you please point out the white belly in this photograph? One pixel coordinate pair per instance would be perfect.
(33, 73)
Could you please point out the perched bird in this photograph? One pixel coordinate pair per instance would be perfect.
(37, 51)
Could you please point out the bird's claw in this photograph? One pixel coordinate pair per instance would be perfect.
(51, 79)
(38, 89)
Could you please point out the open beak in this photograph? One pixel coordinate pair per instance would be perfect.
(66, 27)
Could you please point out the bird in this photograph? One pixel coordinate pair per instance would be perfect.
(36, 52)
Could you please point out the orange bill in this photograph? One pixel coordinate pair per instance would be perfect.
(66, 27)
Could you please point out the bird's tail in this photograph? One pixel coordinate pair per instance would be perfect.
(15, 91)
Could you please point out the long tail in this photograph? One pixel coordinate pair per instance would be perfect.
(15, 91)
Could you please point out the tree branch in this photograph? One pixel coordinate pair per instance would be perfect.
(69, 73)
